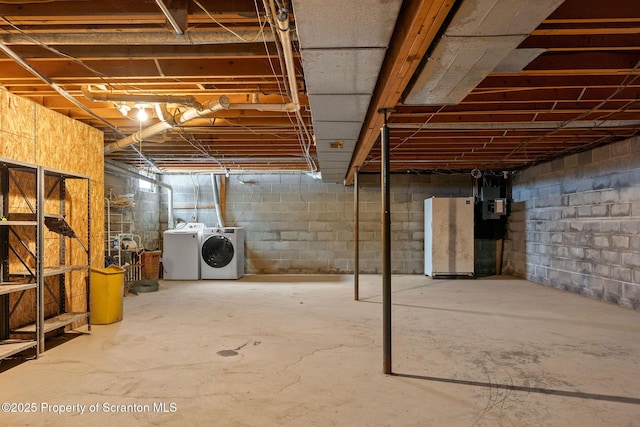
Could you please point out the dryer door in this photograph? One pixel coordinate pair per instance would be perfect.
(217, 251)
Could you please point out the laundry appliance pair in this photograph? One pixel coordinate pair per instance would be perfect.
(194, 252)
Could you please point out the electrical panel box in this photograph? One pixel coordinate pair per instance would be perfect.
(493, 206)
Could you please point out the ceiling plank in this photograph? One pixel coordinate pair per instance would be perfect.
(418, 24)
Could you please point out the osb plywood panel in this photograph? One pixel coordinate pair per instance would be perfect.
(32, 134)
(23, 306)
(25, 312)
(17, 128)
(77, 298)
(22, 191)
(82, 154)
(51, 296)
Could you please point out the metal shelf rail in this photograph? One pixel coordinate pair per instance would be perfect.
(33, 273)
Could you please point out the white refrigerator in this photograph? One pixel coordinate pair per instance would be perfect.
(449, 246)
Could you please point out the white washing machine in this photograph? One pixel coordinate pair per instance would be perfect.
(222, 253)
(181, 254)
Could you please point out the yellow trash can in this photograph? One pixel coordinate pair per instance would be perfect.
(107, 295)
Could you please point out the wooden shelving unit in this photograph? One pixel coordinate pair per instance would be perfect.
(22, 252)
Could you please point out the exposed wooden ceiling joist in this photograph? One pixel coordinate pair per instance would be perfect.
(581, 91)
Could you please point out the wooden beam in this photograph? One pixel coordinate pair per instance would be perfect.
(119, 52)
(416, 28)
(116, 12)
(595, 9)
(583, 42)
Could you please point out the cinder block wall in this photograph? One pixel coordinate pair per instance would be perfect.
(146, 212)
(575, 224)
(296, 224)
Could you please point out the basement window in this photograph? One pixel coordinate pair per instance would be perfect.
(144, 185)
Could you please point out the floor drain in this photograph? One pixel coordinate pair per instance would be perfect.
(227, 353)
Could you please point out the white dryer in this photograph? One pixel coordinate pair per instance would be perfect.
(181, 252)
(222, 253)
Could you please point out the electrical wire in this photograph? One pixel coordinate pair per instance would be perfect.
(404, 140)
(103, 77)
(304, 137)
(629, 79)
(260, 32)
(298, 124)
(197, 144)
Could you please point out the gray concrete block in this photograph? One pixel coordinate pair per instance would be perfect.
(601, 182)
(585, 198)
(600, 211)
(585, 268)
(621, 179)
(585, 211)
(631, 259)
(630, 194)
(270, 198)
(270, 235)
(560, 252)
(290, 235)
(601, 154)
(570, 161)
(585, 226)
(622, 148)
(291, 197)
(623, 274)
(611, 257)
(620, 242)
(289, 254)
(577, 253)
(610, 227)
(630, 227)
(556, 226)
(631, 294)
(548, 201)
(612, 291)
(601, 241)
(584, 158)
(326, 235)
(621, 209)
(602, 271)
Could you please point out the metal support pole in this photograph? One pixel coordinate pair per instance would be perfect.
(356, 237)
(386, 247)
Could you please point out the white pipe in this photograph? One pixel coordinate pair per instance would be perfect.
(148, 98)
(222, 103)
(192, 37)
(284, 34)
(285, 39)
(216, 200)
(157, 128)
(163, 114)
(137, 137)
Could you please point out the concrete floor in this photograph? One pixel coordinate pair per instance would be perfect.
(297, 350)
